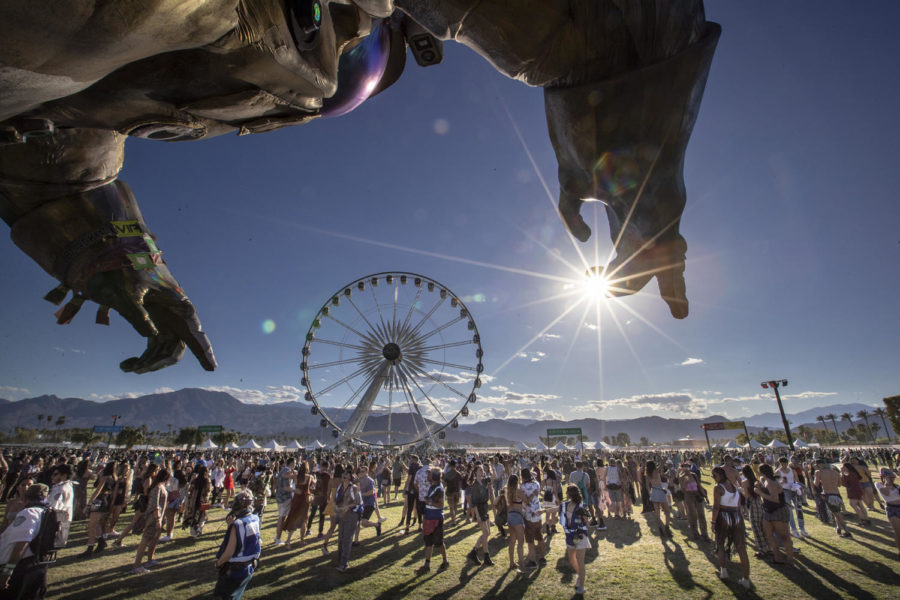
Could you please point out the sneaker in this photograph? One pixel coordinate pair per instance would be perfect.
(342, 568)
(530, 565)
(723, 573)
(382, 519)
(278, 541)
(579, 589)
(444, 566)
(88, 553)
(487, 561)
(113, 533)
(542, 561)
(101, 544)
(139, 570)
(744, 581)
(166, 538)
(425, 568)
(804, 534)
(320, 536)
(473, 556)
(151, 563)
(378, 528)
(846, 534)
(794, 533)
(601, 528)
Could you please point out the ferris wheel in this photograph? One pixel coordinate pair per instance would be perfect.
(392, 359)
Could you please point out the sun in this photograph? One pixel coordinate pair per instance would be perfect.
(595, 286)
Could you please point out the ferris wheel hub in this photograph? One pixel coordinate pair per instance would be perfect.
(391, 352)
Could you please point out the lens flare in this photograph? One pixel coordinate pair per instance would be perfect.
(268, 326)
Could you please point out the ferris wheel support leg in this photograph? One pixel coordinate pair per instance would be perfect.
(361, 412)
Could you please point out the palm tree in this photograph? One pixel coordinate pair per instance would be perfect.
(821, 419)
(883, 413)
(832, 417)
(864, 414)
(847, 417)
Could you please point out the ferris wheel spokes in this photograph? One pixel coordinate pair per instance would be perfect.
(443, 383)
(360, 414)
(427, 397)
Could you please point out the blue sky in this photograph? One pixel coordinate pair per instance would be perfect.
(791, 223)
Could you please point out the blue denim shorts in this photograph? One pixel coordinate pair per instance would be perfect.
(515, 518)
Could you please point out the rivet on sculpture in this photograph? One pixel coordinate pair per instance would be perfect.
(622, 86)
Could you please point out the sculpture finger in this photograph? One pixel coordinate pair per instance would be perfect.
(570, 211)
(175, 315)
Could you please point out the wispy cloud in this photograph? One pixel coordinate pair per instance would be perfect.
(510, 397)
(550, 336)
(483, 414)
(272, 394)
(692, 361)
(673, 402)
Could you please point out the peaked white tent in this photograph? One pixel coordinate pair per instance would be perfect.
(521, 446)
(207, 445)
(800, 444)
(294, 445)
(273, 445)
(251, 445)
(731, 444)
(315, 445)
(590, 445)
(754, 444)
(231, 446)
(541, 446)
(776, 444)
(561, 446)
(605, 446)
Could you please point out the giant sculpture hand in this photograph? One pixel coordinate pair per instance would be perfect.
(623, 82)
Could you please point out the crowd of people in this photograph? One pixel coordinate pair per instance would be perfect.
(526, 496)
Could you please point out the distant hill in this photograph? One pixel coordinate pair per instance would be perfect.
(191, 407)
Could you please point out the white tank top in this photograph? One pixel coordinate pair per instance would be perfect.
(787, 474)
(728, 499)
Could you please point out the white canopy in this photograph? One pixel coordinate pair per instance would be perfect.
(801, 444)
(294, 445)
(776, 444)
(315, 445)
(606, 446)
(541, 446)
(731, 444)
(754, 444)
(521, 446)
(251, 445)
(590, 445)
(207, 445)
(231, 446)
(273, 445)
(561, 446)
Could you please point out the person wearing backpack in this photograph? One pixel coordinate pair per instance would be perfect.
(26, 546)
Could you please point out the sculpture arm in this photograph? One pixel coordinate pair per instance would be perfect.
(67, 212)
(623, 83)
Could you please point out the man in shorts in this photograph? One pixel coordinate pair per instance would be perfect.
(829, 481)
(452, 479)
(433, 524)
(367, 489)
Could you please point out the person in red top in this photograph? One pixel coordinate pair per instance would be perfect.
(229, 482)
(850, 480)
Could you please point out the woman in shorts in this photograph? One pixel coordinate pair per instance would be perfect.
(890, 493)
(550, 499)
(515, 520)
(140, 504)
(121, 495)
(728, 525)
(776, 514)
(658, 497)
(97, 509)
(480, 494)
(574, 522)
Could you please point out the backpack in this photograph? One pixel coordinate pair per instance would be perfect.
(44, 544)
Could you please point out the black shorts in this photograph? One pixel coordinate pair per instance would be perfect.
(436, 537)
(367, 512)
(396, 482)
(482, 512)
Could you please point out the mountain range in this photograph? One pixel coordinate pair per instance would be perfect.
(191, 407)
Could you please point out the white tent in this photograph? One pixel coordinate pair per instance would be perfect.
(521, 446)
(294, 445)
(207, 445)
(776, 444)
(605, 446)
(561, 446)
(590, 445)
(541, 446)
(754, 444)
(251, 445)
(231, 446)
(315, 445)
(273, 445)
(731, 444)
(800, 444)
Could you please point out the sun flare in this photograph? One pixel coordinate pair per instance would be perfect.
(595, 286)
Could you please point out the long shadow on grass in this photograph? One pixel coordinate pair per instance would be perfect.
(812, 586)
(873, 570)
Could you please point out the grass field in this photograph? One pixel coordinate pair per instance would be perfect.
(628, 561)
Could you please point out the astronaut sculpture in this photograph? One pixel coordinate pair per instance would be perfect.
(622, 80)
